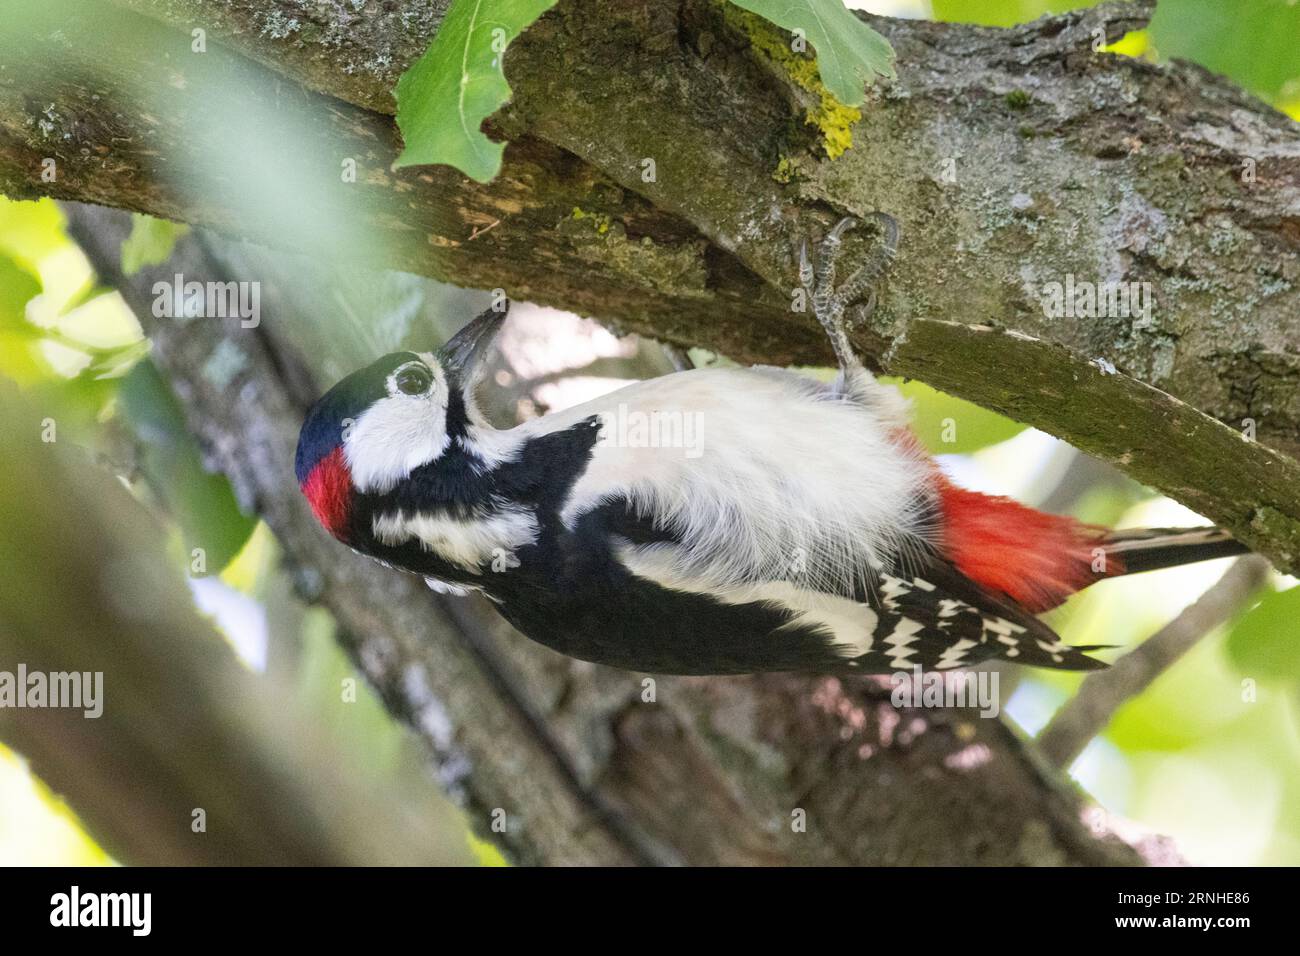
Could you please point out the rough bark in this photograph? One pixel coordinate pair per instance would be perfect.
(1066, 162)
(587, 770)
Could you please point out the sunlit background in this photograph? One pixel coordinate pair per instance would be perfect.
(1195, 757)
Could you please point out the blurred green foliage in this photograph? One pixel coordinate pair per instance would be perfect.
(1001, 13)
(1255, 42)
(150, 242)
(17, 336)
(81, 360)
(1264, 641)
(948, 425)
(88, 372)
(212, 526)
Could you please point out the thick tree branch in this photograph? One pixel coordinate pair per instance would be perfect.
(1013, 158)
(585, 767)
(250, 424)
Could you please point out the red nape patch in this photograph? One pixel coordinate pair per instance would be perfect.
(1038, 559)
(329, 491)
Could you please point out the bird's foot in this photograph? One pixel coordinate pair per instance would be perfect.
(830, 304)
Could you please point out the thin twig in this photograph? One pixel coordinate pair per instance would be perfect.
(1104, 692)
(478, 232)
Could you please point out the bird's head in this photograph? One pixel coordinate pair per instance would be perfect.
(370, 431)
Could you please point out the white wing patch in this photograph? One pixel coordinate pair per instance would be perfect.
(787, 478)
(446, 587)
(467, 542)
(851, 624)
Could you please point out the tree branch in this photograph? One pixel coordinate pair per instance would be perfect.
(1013, 158)
(1087, 713)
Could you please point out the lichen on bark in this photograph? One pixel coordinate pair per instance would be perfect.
(833, 119)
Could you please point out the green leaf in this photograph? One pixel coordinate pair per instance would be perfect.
(18, 337)
(947, 425)
(150, 243)
(29, 231)
(444, 96)
(1253, 42)
(850, 55)
(1001, 13)
(202, 503)
(1265, 641)
(17, 287)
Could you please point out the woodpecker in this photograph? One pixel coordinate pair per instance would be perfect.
(800, 528)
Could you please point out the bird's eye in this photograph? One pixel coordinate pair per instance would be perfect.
(414, 379)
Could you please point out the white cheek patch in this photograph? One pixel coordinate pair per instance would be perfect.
(470, 543)
(395, 436)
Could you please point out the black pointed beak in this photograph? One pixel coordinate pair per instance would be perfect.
(466, 350)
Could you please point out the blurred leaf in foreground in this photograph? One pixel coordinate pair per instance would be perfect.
(201, 502)
(1265, 641)
(150, 243)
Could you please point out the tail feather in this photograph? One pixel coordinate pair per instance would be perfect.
(1038, 559)
(1148, 549)
(1063, 657)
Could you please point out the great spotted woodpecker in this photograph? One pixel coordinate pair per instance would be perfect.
(803, 528)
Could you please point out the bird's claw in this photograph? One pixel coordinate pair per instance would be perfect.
(830, 304)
